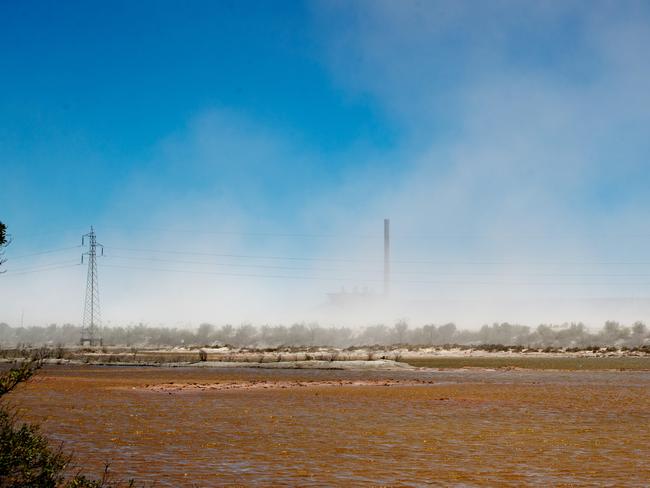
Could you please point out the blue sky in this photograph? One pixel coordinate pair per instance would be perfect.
(89, 90)
(512, 131)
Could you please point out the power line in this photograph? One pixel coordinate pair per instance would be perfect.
(344, 260)
(243, 256)
(59, 232)
(239, 265)
(348, 260)
(378, 261)
(244, 234)
(352, 270)
(39, 253)
(365, 280)
(243, 275)
(502, 236)
(38, 269)
(397, 236)
(67, 264)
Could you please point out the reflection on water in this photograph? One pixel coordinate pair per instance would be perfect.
(469, 427)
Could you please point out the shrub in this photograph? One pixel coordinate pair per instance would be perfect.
(25, 456)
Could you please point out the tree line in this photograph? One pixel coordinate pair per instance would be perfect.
(312, 334)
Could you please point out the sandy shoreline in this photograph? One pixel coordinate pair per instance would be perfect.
(178, 387)
(362, 359)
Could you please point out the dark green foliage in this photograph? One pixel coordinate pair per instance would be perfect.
(3, 234)
(10, 379)
(4, 240)
(83, 482)
(25, 457)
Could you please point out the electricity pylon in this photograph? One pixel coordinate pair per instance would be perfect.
(90, 332)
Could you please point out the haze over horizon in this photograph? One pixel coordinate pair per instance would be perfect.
(237, 160)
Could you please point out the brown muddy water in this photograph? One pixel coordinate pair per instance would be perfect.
(458, 428)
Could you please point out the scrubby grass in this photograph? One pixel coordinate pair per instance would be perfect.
(570, 363)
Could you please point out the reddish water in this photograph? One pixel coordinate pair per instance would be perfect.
(468, 428)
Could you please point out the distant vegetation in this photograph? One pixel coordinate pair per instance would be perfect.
(574, 335)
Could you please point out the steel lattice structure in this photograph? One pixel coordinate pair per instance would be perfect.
(90, 330)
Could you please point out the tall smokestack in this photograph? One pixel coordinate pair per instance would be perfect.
(386, 257)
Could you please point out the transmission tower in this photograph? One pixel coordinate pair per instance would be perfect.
(90, 332)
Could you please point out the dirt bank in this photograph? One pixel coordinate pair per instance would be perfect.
(179, 387)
